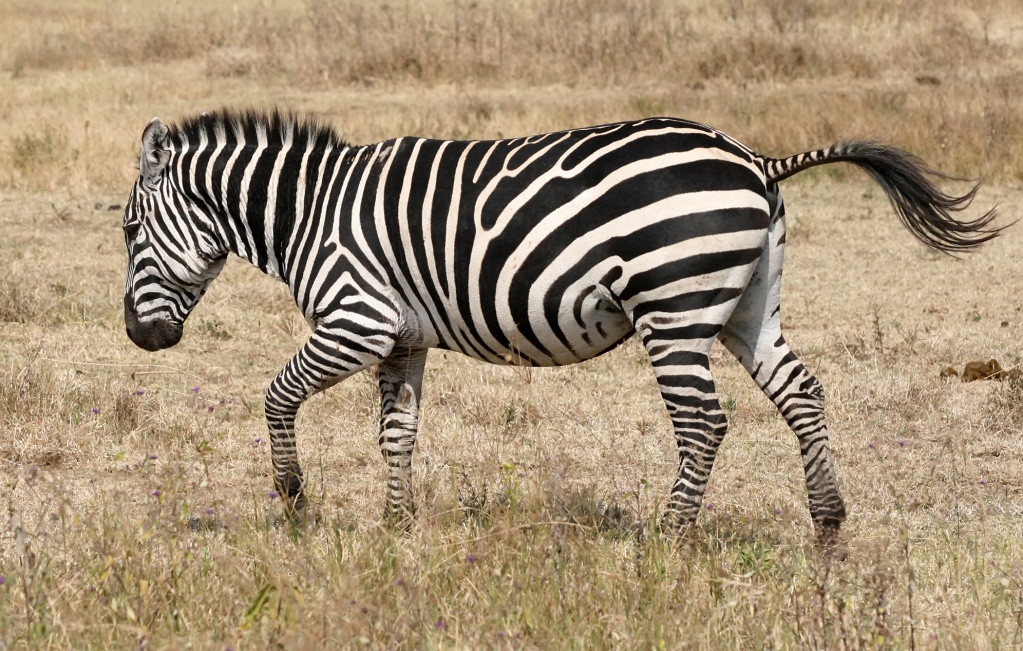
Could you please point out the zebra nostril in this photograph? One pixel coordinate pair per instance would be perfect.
(130, 316)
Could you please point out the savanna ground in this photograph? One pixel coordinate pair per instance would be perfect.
(136, 487)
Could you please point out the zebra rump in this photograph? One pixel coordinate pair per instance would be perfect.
(545, 250)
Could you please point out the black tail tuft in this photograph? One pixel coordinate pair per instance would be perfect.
(909, 183)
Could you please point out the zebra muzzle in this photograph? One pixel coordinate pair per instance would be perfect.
(152, 334)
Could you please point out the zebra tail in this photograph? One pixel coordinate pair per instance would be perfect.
(923, 209)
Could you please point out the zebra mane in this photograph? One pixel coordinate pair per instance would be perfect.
(280, 127)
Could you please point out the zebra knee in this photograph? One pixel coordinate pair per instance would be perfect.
(397, 436)
(276, 408)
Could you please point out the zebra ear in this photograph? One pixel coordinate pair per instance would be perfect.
(154, 155)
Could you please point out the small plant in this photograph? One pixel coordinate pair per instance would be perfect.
(15, 305)
(214, 328)
(878, 328)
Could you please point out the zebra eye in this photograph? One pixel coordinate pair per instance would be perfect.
(131, 229)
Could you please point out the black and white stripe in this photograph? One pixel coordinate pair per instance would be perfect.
(542, 251)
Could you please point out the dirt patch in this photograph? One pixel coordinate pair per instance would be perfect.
(981, 370)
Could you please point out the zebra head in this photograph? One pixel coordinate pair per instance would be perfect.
(173, 249)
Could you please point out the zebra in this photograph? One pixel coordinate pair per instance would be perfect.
(544, 250)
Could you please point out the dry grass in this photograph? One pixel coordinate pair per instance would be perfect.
(783, 75)
(136, 485)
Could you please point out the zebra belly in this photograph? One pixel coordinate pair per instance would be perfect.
(596, 325)
(591, 324)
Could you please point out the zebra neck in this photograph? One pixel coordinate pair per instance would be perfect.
(256, 204)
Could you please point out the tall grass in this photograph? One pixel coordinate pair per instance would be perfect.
(566, 41)
(938, 79)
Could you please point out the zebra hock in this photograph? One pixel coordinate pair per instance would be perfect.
(545, 250)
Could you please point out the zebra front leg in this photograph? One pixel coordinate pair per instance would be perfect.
(331, 355)
(401, 380)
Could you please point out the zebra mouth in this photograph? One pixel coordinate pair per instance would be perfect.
(151, 335)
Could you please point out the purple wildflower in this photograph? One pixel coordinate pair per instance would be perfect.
(140, 392)
(440, 624)
(399, 581)
(2, 579)
(901, 443)
(95, 410)
(152, 457)
(777, 511)
(470, 559)
(156, 493)
(257, 440)
(211, 408)
(273, 495)
(708, 505)
(983, 482)
(195, 389)
(870, 445)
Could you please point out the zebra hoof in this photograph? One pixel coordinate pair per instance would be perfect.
(399, 519)
(831, 543)
(675, 526)
(292, 495)
(295, 505)
(308, 519)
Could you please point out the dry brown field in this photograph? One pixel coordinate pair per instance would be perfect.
(135, 487)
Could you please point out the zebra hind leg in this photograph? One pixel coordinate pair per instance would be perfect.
(401, 379)
(682, 367)
(800, 398)
(753, 334)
